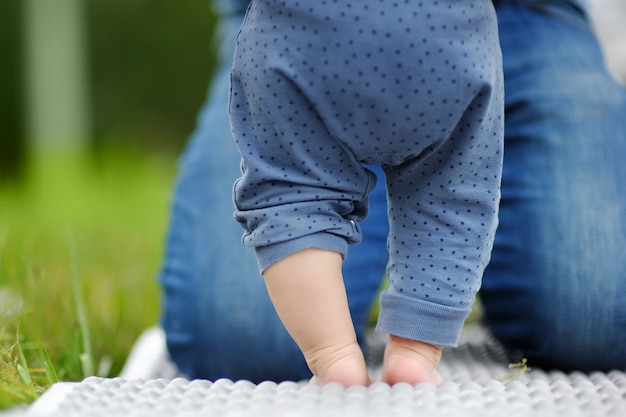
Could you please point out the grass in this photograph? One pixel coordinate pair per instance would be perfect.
(80, 244)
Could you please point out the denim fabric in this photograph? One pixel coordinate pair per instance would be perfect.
(555, 290)
(224, 7)
(581, 4)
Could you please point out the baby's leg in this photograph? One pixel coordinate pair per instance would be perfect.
(411, 361)
(308, 293)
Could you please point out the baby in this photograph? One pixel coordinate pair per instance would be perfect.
(318, 89)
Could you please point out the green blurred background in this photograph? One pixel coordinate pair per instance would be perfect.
(87, 74)
(97, 98)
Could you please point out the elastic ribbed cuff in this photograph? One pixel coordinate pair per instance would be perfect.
(421, 320)
(267, 255)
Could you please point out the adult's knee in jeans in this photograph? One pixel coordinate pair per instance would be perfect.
(235, 352)
(578, 349)
(567, 339)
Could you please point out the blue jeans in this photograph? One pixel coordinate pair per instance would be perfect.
(555, 290)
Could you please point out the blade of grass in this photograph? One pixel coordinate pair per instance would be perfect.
(51, 373)
(22, 365)
(17, 386)
(86, 357)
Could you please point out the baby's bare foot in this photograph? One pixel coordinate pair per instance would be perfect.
(411, 361)
(345, 365)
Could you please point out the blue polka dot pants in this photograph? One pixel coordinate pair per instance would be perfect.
(321, 88)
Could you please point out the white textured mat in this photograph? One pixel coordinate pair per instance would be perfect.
(478, 383)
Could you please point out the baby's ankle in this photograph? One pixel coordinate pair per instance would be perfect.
(411, 361)
(345, 365)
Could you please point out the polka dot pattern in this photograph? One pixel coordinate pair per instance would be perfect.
(320, 88)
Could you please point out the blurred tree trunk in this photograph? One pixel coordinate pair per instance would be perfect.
(57, 103)
(11, 106)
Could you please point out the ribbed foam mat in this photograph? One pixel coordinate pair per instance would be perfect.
(478, 382)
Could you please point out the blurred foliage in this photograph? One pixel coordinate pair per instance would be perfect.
(150, 64)
(99, 217)
(11, 128)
